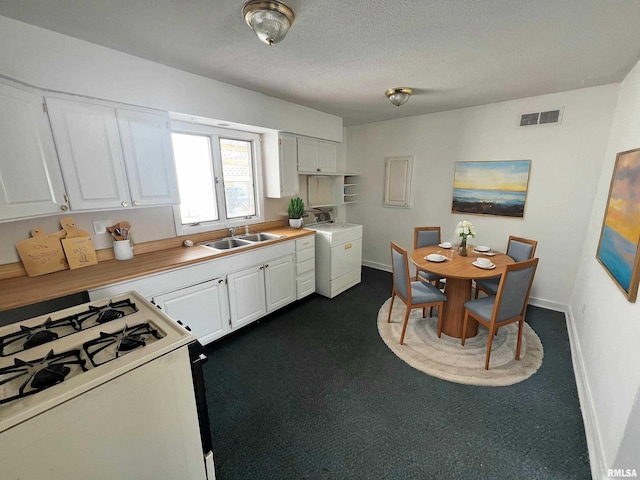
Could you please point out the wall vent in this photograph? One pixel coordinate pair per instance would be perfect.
(550, 117)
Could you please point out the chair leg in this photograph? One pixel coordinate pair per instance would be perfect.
(404, 327)
(393, 297)
(477, 291)
(424, 312)
(440, 307)
(464, 327)
(489, 343)
(519, 344)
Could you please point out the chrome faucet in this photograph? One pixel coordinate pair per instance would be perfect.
(232, 231)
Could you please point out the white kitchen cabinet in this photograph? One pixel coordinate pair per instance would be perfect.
(247, 300)
(279, 283)
(258, 281)
(305, 266)
(281, 159)
(261, 289)
(316, 155)
(204, 308)
(112, 157)
(148, 157)
(30, 178)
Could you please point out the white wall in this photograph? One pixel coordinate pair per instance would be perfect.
(50, 60)
(605, 325)
(565, 168)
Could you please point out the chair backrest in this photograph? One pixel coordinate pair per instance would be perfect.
(521, 249)
(514, 289)
(400, 265)
(425, 236)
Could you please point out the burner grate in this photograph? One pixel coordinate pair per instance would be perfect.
(110, 346)
(25, 378)
(29, 337)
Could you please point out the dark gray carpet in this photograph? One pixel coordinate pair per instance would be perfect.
(312, 392)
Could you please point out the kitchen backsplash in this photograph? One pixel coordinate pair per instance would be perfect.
(153, 223)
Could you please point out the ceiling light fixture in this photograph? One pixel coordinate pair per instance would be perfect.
(398, 95)
(269, 20)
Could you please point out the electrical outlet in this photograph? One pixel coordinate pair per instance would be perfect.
(100, 226)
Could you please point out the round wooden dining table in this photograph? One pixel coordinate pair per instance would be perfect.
(459, 272)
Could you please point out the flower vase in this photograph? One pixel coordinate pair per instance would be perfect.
(462, 249)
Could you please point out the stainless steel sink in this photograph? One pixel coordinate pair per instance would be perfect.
(260, 237)
(227, 243)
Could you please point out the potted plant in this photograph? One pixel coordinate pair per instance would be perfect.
(295, 211)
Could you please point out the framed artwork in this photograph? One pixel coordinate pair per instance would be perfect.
(397, 181)
(618, 245)
(491, 188)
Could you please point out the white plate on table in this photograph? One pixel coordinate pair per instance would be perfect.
(491, 266)
(434, 257)
(488, 254)
(482, 248)
(444, 245)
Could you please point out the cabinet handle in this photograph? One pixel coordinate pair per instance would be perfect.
(136, 203)
(124, 204)
(64, 208)
(347, 246)
(266, 266)
(221, 281)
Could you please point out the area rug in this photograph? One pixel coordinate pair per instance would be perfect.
(445, 358)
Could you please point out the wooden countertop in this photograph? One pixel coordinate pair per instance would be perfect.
(21, 291)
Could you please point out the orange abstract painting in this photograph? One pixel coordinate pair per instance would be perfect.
(618, 247)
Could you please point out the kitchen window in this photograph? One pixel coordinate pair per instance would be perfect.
(218, 172)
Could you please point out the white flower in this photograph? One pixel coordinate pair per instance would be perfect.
(465, 228)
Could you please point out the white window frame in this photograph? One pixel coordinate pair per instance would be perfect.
(223, 223)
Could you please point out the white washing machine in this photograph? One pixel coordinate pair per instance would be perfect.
(338, 257)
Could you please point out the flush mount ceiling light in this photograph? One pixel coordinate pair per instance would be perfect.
(399, 95)
(269, 20)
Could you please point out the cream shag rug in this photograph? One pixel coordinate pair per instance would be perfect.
(445, 358)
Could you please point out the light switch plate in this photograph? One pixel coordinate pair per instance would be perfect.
(100, 226)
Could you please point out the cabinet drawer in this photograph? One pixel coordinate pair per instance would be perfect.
(304, 255)
(305, 285)
(306, 266)
(305, 242)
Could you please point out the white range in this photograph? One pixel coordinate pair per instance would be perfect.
(111, 389)
(338, 257)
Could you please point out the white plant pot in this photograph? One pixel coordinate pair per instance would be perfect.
(295, 222)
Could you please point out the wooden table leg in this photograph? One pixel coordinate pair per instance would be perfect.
(457, 291)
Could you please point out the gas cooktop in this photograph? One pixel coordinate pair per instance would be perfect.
(54, 357)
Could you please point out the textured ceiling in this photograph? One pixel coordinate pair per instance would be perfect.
(341, 55)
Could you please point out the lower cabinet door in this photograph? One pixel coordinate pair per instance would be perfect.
(246, 296)
(203, 308)
(279, 283)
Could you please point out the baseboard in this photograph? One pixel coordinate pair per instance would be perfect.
(548, 304)
(376, 265)
(592, 431)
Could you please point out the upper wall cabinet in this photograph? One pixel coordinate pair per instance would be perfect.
(30, 179)
(148, 156)
(280, 159)
(316, 156)
(112, 156)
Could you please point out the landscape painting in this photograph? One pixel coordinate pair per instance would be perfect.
(618, 246)
(491, 188)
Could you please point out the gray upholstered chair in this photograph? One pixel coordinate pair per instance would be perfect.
(519, 249)
(507, 306)
(426, 237)
(413, 294)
